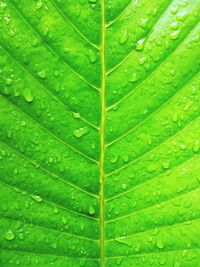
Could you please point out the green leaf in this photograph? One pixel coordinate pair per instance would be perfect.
(100, 133)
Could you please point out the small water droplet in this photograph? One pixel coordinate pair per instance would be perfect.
(28, 96)
(124, 186)
(76, 115)
(159, 243)
(133, 78)
(42, 74)
(174, 9)
(37, 198)
(55, 210)
(174, 25)
(92, 55)
(114, 158)
(165, 164)
(80, 132)
(91, 210)
(174, 35)
(140, 45)
(174, 117)
(38, 5)
(142, 60)
(126, 158)
(124, 37)
(9, 235)
(196, 146)
(8, 81)
(64, 220)
(162, 260)
(143, 23)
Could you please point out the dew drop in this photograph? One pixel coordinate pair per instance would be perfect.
(9, 235)
(196, 146)
(174, 25)
(64, 221)
(125, 158)
(8, 81)
(165, 164)
(28, 96)
(42, 74)
(142, 60)
(174, 117)
(174, 35)
(174, 9)
(143, 23)
(92, 55)
(140, 45)
(159, 243)
(37, 198)
(76, 115)
(38, 5)
(181, 16)
(162, 260)
(133, 78)
(114, 159)
(124, 37)
(91, 210)
(55, 210)
(80, 132)
(124, 186)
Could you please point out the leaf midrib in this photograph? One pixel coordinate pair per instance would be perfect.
(102, 135)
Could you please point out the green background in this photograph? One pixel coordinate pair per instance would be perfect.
(99, 133)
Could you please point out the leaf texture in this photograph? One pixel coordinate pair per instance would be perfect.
(100, 133)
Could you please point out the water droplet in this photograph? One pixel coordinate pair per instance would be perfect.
(152, 167)
(92, 55)
(159, 243)
(55, 210)
(133, 78)
(174, 25)
(42, 74)
(37, 198)
(9, 235)
(124, 37)
(21, 236)
(53, 245)
(28, 96)
(162, 260)
(76, 115)
(142, 60)
(174, 117)
(64, 220)
(126, 158)
(12, 32)
(174, 9)
(93, 146)
(91, 210)
(124, 186)
(165, 164)
(143, 23)
(174, 35)
(80, 132)
(182, 146)
(114, 158)
(9, 133)
(140, 45)
(196, 146)
(38, 5)
(8, 81)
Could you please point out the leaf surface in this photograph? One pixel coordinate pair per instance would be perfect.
(99, 133)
